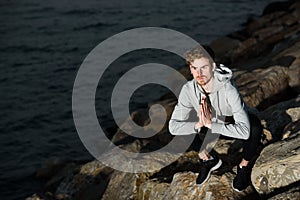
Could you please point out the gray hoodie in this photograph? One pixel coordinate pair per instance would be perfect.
(225, 100)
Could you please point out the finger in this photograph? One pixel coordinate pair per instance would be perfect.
(208, 113)
(202, 118)
(202, 99)
(200, 109)
(203, 115)
(203, 106)
(205, 110)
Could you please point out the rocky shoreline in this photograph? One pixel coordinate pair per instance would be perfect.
(265, 59)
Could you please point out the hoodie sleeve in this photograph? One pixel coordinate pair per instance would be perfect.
(179, 124)
(241, 128)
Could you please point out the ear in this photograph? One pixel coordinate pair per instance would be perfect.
(214, 66)
(190, 68)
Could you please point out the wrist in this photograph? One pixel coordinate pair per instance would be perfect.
(197, 127)
(208, 125)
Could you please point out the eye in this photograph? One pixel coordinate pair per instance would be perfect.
(205, 67)
(193, 67)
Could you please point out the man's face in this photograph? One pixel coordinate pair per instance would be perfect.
(202, 70)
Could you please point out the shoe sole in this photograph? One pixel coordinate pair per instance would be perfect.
(237, 190)
(212, 169)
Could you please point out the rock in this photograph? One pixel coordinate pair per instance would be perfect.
(230, 151)
(262, 43)
(124, 185)
(291, 128)
(294, 68)
(278, 165)
(267, 44)
(159, 140)
(152, 190)
(34, 197)
(185, 71)
(294, 74)
(263, 21)
(158, 184)
(50, 168)
(223, 48)
(276, 6)
(288, 19)
(280, 115)
(261, 85)
(89, 182)
(264, 33)
(121, 186)
(244, 50)
(189, 161)
(184, 173)
(55, 181)
(183, 186)
(126, 141)
(295, 7)
(140, 117)
(293, 193)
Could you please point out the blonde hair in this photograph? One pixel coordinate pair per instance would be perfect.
(197, 53)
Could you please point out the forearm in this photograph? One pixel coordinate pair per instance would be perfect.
(181, 127)
(239, 130)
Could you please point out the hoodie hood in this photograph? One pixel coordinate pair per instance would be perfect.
(222, 76)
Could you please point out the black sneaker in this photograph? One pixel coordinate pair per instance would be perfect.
(242, 179)
(206, 167)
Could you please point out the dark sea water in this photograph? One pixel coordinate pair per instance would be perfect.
(42, 45)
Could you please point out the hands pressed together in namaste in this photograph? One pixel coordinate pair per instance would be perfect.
(204, 120)
(204, 114)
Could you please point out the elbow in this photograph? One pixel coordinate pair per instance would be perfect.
(172, 131)
(246, 134)
(172, 128)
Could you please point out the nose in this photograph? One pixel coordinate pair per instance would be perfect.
(199, 71)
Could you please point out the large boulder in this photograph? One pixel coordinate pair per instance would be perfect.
(124, 185)
(265, 34)
(261, 85)
(263, 21)
(294, 68)
(292, 193)
(223, 48)
(276, 6)
(277, 117)
(141, 118)
(121, 186)
(86, 182)
(278, 165)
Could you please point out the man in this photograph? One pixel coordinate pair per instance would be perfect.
(220, 110)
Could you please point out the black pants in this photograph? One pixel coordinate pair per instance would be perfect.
(250, 145)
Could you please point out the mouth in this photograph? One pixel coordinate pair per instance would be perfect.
(201, 80)
(200, 77)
